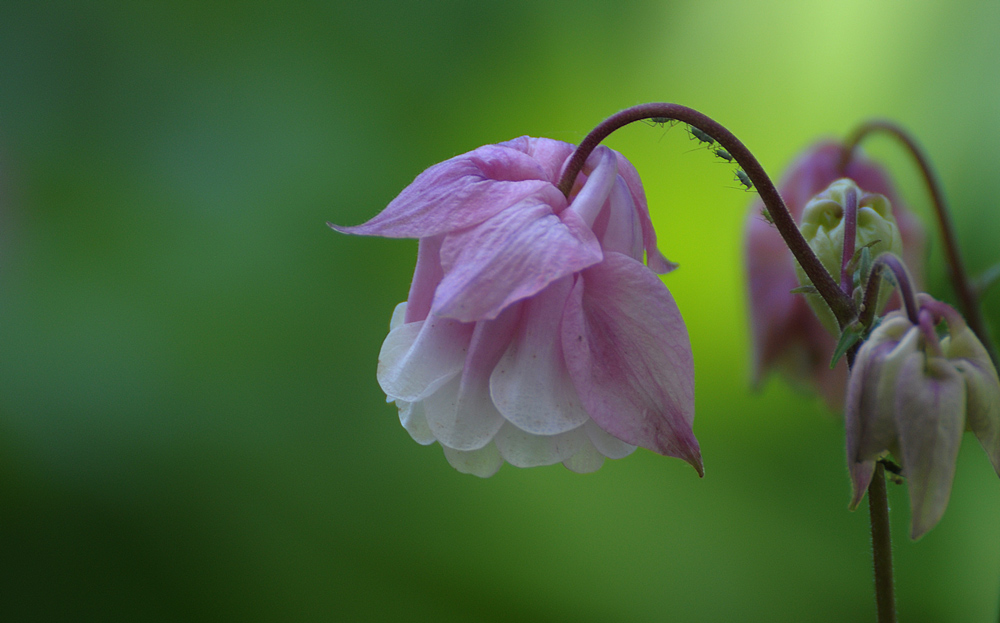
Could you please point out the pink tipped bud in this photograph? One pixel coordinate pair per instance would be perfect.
(913, 395)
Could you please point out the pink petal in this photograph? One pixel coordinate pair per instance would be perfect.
(964, 350)
(771, 277)
(786, 334)
(590, 199)
(530, 385)
(458, 193)
(618, 227)
(861, 405)
(550, 154)
(628, 353)
(930, 401)
(861, 476)
(871, 422)
(426, 277)
(983, 408)
(657, 263)
(512, 256)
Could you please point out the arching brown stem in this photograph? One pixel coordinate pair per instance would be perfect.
(968, 299)
(841, 304)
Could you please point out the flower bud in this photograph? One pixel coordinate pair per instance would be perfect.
(823, 224)
(786, 336)
(913, 395)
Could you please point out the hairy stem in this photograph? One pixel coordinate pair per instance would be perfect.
(888, 261)
(878, 510)
(850, 239)
(840, 303)
(968, 299)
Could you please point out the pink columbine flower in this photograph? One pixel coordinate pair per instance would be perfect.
(534, 333)
(786, 335)
(913, 394)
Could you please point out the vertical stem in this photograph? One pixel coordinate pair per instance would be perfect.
(878, 509)
(850, 239)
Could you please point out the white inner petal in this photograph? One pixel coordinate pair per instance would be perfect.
(522, 449)
(466, 422)
(419, 357)
(587, 460)
(483, 462)
(398, 313)
(530, 385)
(411, 416)
(607, 444)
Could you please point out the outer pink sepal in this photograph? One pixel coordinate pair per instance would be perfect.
(627, 350)
(457, 193)
(511, 256)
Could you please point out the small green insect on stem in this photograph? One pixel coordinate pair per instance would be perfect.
(701, 137)
(744, 179)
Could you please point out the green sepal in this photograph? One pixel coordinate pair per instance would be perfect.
(861, 263)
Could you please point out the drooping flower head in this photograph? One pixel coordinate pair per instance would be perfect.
(912, 393)
(534, 333)
(786, 335)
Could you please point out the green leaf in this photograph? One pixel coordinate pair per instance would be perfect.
(848, 338)
(866, 264)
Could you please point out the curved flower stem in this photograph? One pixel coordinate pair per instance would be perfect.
(840, 303)
(878, 510)
(903, 282)
(967, 296)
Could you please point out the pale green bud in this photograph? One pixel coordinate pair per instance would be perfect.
(822, 225)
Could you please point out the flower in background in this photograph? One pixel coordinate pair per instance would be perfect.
(534, 333)
(913, 394)
(786, 335)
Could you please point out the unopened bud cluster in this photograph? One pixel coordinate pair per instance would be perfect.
(823, 226)
(913, 394)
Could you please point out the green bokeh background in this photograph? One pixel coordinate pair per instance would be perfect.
(190, 426)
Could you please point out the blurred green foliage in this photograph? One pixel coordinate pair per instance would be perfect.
(190, 426)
